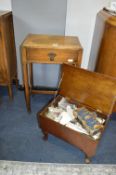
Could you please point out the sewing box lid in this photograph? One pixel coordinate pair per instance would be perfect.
(90, 88)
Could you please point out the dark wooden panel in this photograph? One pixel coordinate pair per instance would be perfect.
(82, 141)
(90, 88)
(3, 72)
(8, 67)
(10, 44)
(106, 59)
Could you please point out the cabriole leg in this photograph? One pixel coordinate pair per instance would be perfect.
(45, 137)
(87, 159)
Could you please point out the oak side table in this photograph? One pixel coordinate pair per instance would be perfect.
(47, 49)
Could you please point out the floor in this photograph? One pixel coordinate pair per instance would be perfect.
(21, 139)
(31, 168)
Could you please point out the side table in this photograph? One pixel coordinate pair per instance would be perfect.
(47, 49)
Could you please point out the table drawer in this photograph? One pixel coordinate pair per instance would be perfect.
(55, 56)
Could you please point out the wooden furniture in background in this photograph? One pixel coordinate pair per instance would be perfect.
(8, 66)
(105, 31)
(47, 49)
(92, 90)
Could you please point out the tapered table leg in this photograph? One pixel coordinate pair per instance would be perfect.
(10, 91)
(25, 79)
(26, 85)
(31, 75)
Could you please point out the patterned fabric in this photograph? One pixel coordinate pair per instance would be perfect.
(89, 120)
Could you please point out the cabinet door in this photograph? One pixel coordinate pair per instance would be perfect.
(106, 57)
(10, 45)
(3, 72)
(107, 54)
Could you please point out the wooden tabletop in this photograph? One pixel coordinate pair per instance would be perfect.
(48, 41)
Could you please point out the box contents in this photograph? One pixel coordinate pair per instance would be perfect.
(77, 118)
(89, 120)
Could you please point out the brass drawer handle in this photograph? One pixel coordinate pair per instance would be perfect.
(70, 60)
(51, 56)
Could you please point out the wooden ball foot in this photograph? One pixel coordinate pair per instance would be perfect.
(45, 136)
(87, 160)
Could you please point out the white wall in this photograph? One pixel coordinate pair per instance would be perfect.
(5, 5)
(42, 17)
(80, 21)
(48, 16)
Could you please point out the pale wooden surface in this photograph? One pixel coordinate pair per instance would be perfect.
(52, 41)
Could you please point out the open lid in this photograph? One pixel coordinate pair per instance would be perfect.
(90, 88)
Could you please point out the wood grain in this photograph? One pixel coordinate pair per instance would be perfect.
(89, 89)
(106, 59)
(48, 49)
(8, 64)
